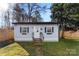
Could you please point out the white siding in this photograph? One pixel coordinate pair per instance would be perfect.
(19, 37)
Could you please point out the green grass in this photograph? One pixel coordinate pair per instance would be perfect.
(64, 47)
(61, 48)
(28, 46)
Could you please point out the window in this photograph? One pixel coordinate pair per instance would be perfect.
(49, 30)
(24, 30)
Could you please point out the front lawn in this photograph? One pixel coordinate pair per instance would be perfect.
(13, 49)
(63, 47)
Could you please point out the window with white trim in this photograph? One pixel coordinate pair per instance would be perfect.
(24, 30)
(49, 30)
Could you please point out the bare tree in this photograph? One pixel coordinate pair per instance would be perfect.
(17, 13)
(7, 18)
(30, 12)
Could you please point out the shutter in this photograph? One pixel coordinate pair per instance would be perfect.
(45, 29)
(52, 29)
(20, 29)
(28, 29)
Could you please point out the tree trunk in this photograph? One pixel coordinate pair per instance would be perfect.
(29, 12)
(62, 34)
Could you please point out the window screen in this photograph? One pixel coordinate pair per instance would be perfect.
(24, 30)
(49, 30)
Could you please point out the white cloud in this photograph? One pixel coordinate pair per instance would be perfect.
(4, 6)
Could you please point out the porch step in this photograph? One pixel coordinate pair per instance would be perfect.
(37, 41)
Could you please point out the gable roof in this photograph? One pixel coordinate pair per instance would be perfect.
(35, 23)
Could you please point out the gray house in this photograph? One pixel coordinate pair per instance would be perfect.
(26, 31)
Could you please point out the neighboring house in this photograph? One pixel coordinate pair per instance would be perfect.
(26, 31)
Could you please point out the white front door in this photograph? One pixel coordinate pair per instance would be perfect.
(36, 32)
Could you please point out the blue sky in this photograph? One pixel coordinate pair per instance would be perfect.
(44, 15)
